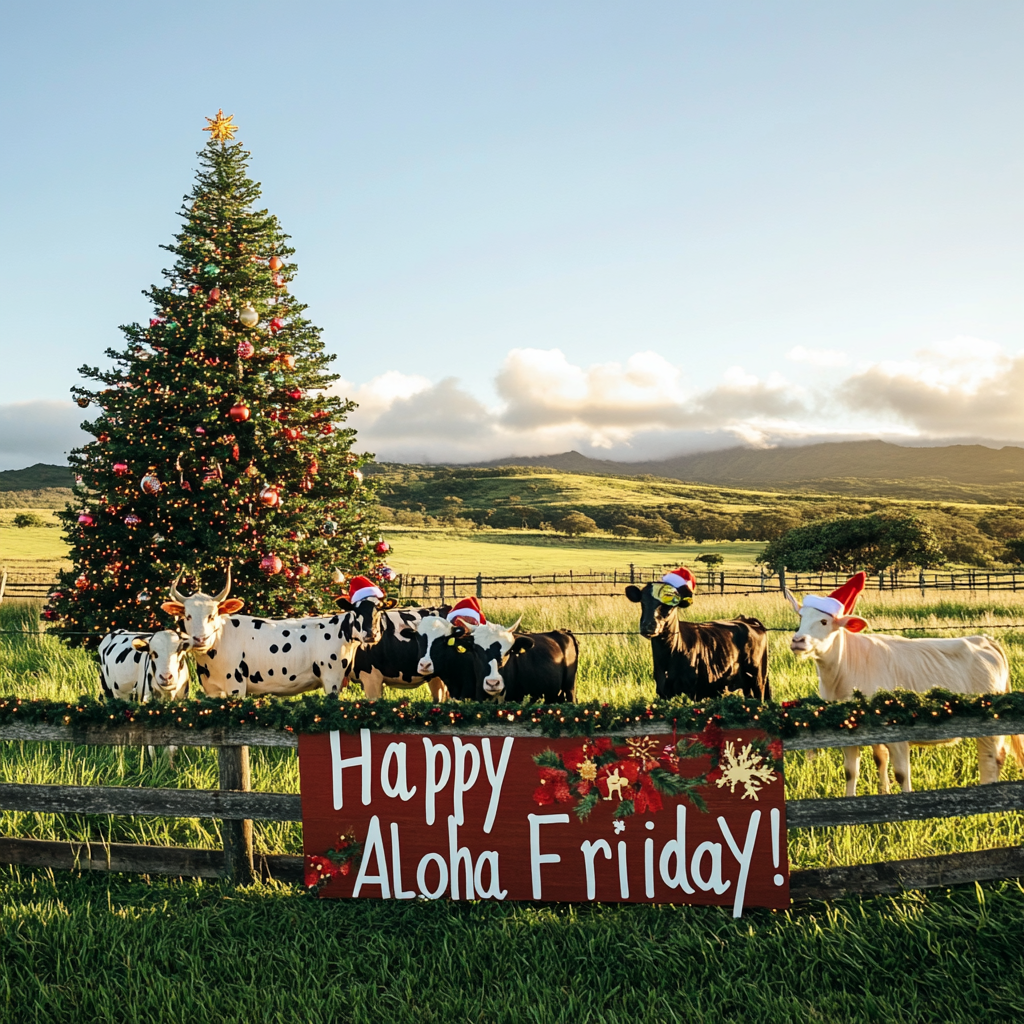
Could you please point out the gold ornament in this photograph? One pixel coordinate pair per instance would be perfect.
(643, 749)
(588, 770)
(220, 127)
(746, 768)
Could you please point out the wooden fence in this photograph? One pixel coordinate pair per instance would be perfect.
(237, 806)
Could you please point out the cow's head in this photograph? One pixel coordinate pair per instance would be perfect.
(492, 647)
(203, 616)
(166, 658)
(426, 631)
(366, 621)
(658, 603)
(822, 618)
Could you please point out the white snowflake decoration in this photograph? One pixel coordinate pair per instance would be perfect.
(746, 768)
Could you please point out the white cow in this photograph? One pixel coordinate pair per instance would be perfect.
(241, 654)
(144, 666)
(847, 660)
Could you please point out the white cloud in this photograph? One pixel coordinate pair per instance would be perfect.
(824, 357)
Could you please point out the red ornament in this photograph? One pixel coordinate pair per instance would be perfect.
(271, 564)
(120, 468)
(103, 438)
(82, 582)
(246, 350)
(314, 467)
(276, 324)
(193, 289)
(270, 496)
(302, 569)
(214, 295)
(287, 360)
(292, 433)
(294, 394)
(278, 281)
(306, 483)
(276, 263)
(238, 413)
(327, 428)
(85, 519)
(382, 547)
(153, 321)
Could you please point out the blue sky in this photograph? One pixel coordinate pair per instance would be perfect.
(630, 229)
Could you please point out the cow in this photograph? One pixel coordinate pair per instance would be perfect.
(397, 658)
(145, 667)
(241, 654)
(847, 660)
(700, 659)
(505, 666)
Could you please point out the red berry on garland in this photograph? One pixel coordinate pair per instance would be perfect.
(150, 483)
(276, 263)
(246, 350)
(276, 324)
(382, 547)
(238, 413)
(120, 468)
(287, 360)
(271, 564)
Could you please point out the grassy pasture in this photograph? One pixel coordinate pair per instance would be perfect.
(172, 950)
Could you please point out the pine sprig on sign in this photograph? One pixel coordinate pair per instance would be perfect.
(624, 810)
(585, 805)
(548, 759)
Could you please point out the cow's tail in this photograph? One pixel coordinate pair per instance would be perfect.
(569, 681)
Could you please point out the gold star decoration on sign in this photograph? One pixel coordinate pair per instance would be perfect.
(220, 127)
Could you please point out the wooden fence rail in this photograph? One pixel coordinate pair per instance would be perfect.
(237, 806)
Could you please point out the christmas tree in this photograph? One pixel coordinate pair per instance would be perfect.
(217, 443)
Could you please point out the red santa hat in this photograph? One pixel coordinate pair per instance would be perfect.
(842, 600)
(360, 588)
(469, 609)
(680, 578)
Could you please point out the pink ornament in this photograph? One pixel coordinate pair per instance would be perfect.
(382, 547)
(120, 468)
(132, 520)
(271, 565)
(200, 431)
(85, 519)
(246, 350)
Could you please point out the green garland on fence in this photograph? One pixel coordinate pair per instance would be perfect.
(320, 713)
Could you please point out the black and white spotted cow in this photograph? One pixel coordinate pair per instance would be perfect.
(400, 658)
(242, 654)
(144, 666)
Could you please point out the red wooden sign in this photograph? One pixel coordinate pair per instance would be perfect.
(643, 819)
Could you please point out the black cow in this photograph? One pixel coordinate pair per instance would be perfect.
(702, 659)
(394, 660)
(499, 664)
(451, 659)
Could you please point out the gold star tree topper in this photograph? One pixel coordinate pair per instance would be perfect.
(220, 127)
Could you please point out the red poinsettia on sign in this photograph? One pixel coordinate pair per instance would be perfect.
(338, 860)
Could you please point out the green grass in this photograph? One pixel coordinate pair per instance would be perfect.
(119, 948)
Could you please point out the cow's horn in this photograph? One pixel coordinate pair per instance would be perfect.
(515, 625)
(175, 596)
(223, 595)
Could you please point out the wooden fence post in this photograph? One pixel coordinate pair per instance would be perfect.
(782, 578)
(442, 589)
(632, 573)
(234, 774)
(479, 585)
(3, 585)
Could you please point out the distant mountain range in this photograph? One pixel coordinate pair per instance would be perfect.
(814, 463)
(36, 478)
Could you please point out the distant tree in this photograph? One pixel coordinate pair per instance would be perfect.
(23, 519)
(707, 526)
(654, 528)
(710, 559)
(873, 543)
(575, 523)
(770, 525)
(624, 530)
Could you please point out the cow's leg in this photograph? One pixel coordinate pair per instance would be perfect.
(881, 755)
(851, 765)
(438, 690)
(373, 684)
(991, 755)
(900, 754)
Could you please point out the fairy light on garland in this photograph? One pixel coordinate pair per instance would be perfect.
(164, 417)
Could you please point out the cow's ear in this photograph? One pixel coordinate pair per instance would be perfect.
(173, 608)
(184, 645)
(409, 633)
(343, 604)
(852, 623)
(140, 643)
(633, 593)
(387, 604)
(523, 643)
(230, 606)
